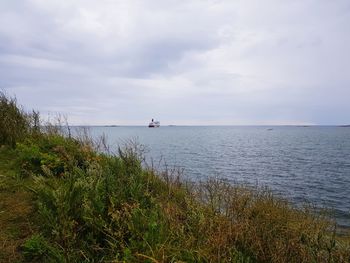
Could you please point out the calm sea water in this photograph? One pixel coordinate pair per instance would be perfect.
(301, 163)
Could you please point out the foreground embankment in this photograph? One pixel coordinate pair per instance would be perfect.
(85, 206)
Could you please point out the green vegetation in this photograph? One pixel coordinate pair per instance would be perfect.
(85, 206)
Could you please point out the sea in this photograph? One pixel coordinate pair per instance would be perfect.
(305, 164)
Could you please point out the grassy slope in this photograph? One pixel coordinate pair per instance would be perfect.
(150, 219)
(16, 209)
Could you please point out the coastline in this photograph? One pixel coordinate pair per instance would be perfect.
(94, 206)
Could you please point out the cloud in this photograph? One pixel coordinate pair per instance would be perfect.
(199, 62)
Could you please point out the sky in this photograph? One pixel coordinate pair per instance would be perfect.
(249, 62)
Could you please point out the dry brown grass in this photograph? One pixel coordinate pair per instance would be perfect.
(220, 222)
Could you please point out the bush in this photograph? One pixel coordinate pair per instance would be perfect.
(14, 123)
(53, 153)
(101, 213)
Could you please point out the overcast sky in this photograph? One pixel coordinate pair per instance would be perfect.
(181, 62)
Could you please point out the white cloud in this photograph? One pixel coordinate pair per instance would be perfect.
(200, 62)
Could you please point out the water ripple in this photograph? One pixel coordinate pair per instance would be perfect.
(303, 164)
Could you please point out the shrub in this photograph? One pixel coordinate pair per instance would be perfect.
(54, 153)
(14, 124)
(89, 215)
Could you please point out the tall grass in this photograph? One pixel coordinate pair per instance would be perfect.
(98, 207)
(117, 211)
(14, 122)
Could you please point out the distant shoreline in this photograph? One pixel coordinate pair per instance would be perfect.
(184, 125)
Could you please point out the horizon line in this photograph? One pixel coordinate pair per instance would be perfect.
(213, 125)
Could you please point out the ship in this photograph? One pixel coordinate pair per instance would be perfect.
(154, 124)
